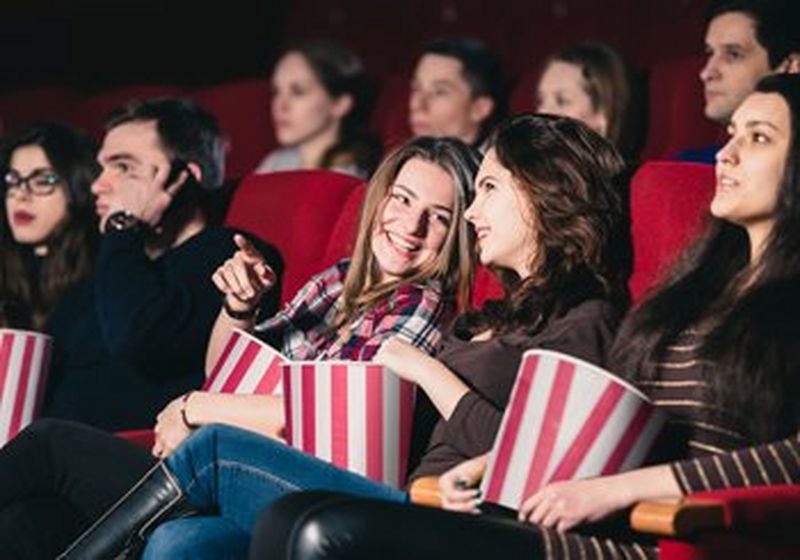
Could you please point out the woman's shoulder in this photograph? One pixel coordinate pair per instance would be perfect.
(281, 159)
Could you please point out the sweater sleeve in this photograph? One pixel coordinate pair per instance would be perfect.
(777, 462)
(586, 334)
(143, 303)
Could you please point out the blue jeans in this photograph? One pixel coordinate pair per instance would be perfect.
(231, 475)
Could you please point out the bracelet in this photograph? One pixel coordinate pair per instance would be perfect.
(184, 403)
(238, 315)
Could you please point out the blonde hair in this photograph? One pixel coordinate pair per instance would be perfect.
(454, 263)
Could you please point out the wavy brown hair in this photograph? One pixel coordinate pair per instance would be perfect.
(573, 182)
(28, 292)
(454, 264)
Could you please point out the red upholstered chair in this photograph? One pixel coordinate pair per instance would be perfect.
(295, 211)
(757, 523)
(523, 94)
(487, 286)
(668, 203)
(22, 107)
(90, 113)
(676, 120)
(242, 108)
(343, 234)
(390, 117)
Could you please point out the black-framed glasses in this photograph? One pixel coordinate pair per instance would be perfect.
(41, 182)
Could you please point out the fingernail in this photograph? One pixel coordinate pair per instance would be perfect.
(461, 484)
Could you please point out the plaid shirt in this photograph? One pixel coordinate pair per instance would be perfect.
(415, 313)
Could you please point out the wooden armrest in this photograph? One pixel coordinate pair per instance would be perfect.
(678, 518)
(425, 492)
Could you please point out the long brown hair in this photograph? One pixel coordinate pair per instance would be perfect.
(26, 298)
(572, 181)
(455, 262)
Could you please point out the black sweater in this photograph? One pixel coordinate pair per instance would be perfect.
(133, 337)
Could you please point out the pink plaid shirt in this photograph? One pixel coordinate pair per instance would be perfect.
(415, 313)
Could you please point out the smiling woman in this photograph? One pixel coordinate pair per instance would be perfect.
(48, 229)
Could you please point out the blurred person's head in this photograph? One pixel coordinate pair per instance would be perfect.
(588, 82)
(745, 41)
(143, 137)
(321, 102)
(457, 90)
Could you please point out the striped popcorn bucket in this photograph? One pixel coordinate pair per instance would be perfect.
(24, 361)
(355, 415)
(246, 366)
(567, 419)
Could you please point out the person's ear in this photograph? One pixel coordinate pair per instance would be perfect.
(481, 108)
(342, 106)
(790, 64)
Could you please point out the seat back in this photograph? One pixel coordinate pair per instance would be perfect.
(675, 114)
(668, 203)
(295, 211)
(390, 117)
(242, 108)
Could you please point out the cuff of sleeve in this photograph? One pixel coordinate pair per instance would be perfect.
(458, 419)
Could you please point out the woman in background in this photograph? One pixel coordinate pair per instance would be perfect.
(320, 108)
(48, 228)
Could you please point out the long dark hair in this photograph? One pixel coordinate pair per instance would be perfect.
(572, 180)
(341, 72)
(751, 310)
(26, 299)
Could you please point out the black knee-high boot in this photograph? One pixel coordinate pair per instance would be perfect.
(121, 531)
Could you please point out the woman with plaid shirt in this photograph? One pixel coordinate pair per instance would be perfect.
(411, 266)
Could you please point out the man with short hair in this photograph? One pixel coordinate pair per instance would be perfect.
(132, 338)
(746, 40)
(457, 90)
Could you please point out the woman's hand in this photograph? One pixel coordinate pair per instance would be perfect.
(244, 277)
(564, 505)
(402, 358)
(170, 429)
(459, 485)
(567, 504)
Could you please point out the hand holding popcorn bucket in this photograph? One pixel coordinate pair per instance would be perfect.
(247, 366)
(356, 415)
(24, 362)
(567, 419)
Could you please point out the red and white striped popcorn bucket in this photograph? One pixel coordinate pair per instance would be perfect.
(247, 366)
(355, 415)
(567, 419)
(24, 362)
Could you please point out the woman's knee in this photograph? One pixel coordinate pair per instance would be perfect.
(196, 538)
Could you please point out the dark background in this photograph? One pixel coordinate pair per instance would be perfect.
(94, 44)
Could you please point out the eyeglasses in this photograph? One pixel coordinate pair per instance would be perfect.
(41, 182)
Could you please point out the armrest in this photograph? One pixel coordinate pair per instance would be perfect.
(755, 507)
(425, 492)
(678, 518)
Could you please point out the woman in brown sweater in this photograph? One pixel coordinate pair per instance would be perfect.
(716, 347)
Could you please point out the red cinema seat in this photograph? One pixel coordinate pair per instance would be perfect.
(676, 120)
(390, 117)
(757, 523)
(242, 108)
(523, 94)
(22, 107)
(668, 203)
(296, 212)
(343, 236)
(90, 113)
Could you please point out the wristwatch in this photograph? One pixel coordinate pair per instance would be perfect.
(122, 220)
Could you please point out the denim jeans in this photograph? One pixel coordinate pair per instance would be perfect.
(231, 475)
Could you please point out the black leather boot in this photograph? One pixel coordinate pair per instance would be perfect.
(121, 531)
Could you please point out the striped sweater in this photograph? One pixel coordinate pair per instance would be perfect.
(716, 453)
